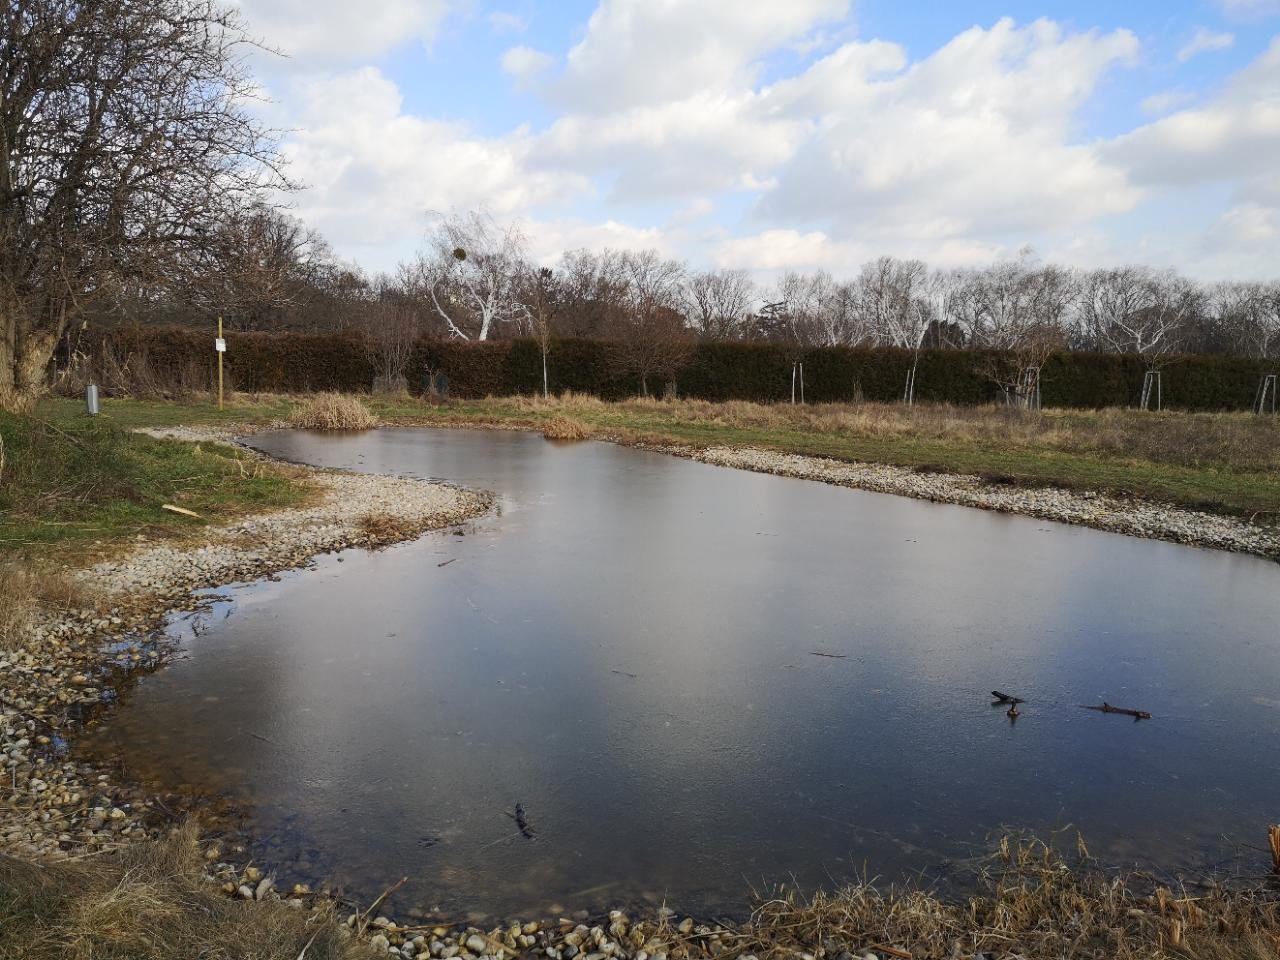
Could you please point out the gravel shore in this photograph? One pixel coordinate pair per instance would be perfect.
(1133, 517)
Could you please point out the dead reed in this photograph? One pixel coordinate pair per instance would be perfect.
(27, 588)
(565, 428)
(150, 901)
(1028, 901)
(333, 411)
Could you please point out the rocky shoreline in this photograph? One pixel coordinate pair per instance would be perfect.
(1129, 516)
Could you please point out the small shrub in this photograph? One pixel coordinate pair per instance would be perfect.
(563, 428)
(333, 411)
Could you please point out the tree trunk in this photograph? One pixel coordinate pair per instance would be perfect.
(545, 392)
(24, 363)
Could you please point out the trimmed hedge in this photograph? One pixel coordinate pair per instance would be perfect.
(292, 363)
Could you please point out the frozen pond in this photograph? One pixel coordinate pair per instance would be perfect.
(628, 647)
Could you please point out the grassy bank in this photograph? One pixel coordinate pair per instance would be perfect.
(1224, 463)
(73, 483)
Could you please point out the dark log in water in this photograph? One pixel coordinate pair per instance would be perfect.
(1108, 708)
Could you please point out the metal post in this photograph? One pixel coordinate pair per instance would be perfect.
(91, 399)
(1266, 390)
(220, 346)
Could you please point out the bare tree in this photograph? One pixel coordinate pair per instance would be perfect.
(125, 139)
(792, 317)
(1020, 309)
(650, 336)
(539, 298)
(718, 303)
(391, 326)
(899, 301)
(1250, 316)
(1140, 311)
(592, 288)
(470, 273)
(258, 268)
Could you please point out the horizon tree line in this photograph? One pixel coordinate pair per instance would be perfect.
(138, 186)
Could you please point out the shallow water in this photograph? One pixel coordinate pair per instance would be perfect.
(626, 646)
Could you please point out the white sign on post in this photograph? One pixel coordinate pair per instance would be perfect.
(220, 345)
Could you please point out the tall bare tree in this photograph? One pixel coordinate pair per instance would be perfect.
(593, 288)
(1250, 316)
(259, 268)
(718, 303)
(125, 140)
(470, 272)
(540, 298)
(650, 336)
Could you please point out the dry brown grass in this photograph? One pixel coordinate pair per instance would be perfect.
(150, 900)
(565, 428)
(27, 588)
(377, 529)
(1238, 441)
(1027, 903)
(333, 411)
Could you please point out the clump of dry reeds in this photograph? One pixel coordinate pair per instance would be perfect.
(565, 428)
(151, 900)
(1027, 902)
(378, 529)
(333, 411)
(27, 588)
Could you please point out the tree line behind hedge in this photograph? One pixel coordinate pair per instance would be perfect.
(161, 360)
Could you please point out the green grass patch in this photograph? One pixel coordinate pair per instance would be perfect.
(1223, 463)
(79, 479)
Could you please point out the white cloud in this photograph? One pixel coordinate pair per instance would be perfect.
(525, 63)
(661, 117)
(1205, 41)
(549, 239)
(642, 53)
(339, 31)
(774, 251)
(976, 139)
(1166, 100)
(501, 21)
(709, 141)
(373, 172)
(1250, 8)
(1235, 135)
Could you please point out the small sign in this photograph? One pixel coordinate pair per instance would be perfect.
(220, 345)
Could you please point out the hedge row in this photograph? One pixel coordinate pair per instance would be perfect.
(716, 371)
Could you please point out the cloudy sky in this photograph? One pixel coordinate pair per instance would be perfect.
(772, 134)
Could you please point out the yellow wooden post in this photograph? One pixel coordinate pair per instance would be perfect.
(220, 363)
